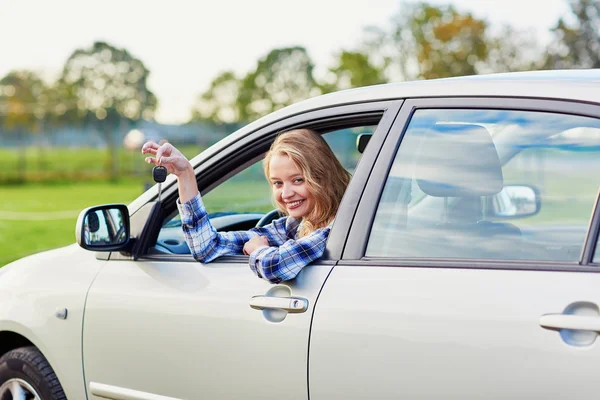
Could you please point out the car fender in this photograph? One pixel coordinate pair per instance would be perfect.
(35, 292)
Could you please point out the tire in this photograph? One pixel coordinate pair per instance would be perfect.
(26, 371)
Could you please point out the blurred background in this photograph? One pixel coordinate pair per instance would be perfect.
(84, 84)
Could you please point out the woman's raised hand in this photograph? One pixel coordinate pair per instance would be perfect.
(167, 156)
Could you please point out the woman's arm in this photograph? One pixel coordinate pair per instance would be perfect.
(202, 238)
(206, 243)
(282, 263)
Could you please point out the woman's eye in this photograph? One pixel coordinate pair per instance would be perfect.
(298, 180)
(276, 184)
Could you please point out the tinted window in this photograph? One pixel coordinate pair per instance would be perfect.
(490, 184)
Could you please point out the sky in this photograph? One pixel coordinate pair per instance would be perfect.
(186, 43)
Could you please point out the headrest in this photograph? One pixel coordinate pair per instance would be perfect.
(458, 161)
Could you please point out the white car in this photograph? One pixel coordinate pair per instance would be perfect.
(462, 263)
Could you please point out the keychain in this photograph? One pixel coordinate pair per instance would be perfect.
(159, 173)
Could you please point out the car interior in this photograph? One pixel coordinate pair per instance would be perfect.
(451, 174)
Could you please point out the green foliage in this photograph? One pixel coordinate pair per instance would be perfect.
(577, 45)
(353, 69)
(107, 84)
(23, 108)
(219, 104)
(283, 77)
(426, 42)
(512, 50)
(23, 101)
(105, 87)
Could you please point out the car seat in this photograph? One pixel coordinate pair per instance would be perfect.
(459, 163)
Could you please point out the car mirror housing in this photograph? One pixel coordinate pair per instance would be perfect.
(103, 228)
(514, 201)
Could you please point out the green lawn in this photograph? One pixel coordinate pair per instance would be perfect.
(76, 163)
(37, 217)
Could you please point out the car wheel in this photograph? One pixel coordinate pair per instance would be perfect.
(26, 375)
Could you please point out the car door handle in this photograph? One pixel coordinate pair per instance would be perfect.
(572, 322)
(289, 304)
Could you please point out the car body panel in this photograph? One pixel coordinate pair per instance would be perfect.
(33, 289)
(194, 333)
(429, 333)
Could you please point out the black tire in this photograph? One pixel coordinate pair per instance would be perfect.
(28, 365)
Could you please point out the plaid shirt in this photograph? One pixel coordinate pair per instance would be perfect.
(282, 261)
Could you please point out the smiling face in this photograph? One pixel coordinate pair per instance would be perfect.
(290, 189)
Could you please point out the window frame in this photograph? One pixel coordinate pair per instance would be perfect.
(251, 148)
(355, 248)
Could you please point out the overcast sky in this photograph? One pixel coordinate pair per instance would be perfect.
(186, 44)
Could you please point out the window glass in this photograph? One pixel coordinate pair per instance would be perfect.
(490, 184)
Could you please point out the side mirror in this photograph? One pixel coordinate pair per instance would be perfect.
(103, 228)
(514, 201)
(362, 141)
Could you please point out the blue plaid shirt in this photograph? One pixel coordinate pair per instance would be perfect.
(282, 261)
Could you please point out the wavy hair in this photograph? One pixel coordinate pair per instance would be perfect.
(325, 177)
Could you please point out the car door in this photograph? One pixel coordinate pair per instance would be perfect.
(440, 295)
(167, 325)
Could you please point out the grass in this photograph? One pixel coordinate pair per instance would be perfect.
(57, 164)
(21, 237)
(58, 205)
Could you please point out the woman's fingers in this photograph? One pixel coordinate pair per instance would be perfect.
(151, 160)
(165, 155)
(167, 160)
(150, 148)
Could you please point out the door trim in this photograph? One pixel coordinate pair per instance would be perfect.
(119, 393)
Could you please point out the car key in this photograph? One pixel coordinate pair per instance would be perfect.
(159, 173)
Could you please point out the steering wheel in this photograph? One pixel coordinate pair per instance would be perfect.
(268, 218)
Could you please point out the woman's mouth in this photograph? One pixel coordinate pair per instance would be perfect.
(294, 204)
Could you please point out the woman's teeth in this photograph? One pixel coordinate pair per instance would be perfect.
(294, 204)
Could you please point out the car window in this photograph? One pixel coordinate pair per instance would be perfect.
(249, 191)
(239, 202)
(490, 184)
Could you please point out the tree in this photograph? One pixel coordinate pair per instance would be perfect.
(577, 45)
(426, 42)
(219, 104)
(283, 77)
(106, 88)
(352, 69)
(511, 50)
(23, 106)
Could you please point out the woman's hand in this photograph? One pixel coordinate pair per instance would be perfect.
(175, 163)
(167, 156)
(255, 243)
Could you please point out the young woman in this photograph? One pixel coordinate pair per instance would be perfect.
(307, 182)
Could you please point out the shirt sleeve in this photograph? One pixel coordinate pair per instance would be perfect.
(282, 263)
(206, 243)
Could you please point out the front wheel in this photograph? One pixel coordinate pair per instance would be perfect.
(25, 374)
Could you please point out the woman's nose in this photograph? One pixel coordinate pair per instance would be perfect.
(287, 191)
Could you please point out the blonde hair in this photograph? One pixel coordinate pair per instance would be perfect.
(325, 177)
